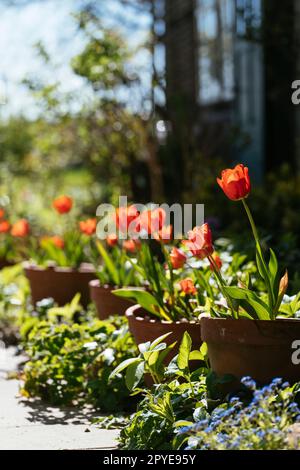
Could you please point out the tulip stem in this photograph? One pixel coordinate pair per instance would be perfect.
(222, 283)
(265, 274)
(251, 220)
(167, 258)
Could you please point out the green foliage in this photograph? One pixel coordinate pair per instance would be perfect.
(179, 414)
(102, 61)
(91, 128)
(164, 300)
(116, 269)
(150, 360)
(14, 293)
(16, 142)
(262, 299)
(77, 249)
(71, 363)
(176, 393)
(165, 407)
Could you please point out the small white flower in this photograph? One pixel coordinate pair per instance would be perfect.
(90, 346)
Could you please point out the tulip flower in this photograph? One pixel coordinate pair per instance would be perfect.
(164, 235)
(125, 216)
(236, 185)
(2, 213)
(4, 226)
(20, 229)
(235, 182)
(132, 245)
(188, 287)
(112, 239)
(200, 242)
(177, 258)
(215, 262)
(152, 221)
(57, 241)
(88, 227)
(63, 204)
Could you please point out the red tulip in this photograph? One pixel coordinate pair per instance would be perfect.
(132, 245)
(200, 242)
(217, 264)
(20, 228)
(112, 239)
(177, 258)
(63, 204)
(57, 241)
(4, 226)
(188, 286)
(165, 234)
(125, 216)
(88, 226)
(2, 213)
(152, 221)
(235, 182)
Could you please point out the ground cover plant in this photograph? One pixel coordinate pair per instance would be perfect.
(261, 424)
(70, 363)
(14, 307)
(183, 409)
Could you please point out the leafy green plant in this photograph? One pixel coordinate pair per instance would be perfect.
(243, 300)
(164, 300)
(116, 269)
(150, 360)
(71, 363)
(14, 294)
(171, 401)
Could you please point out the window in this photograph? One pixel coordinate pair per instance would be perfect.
(248, 19)
(215, 21)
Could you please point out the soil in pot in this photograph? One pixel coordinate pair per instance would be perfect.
(62, 284)
(106, 302)
(144, 329)
(256, 348)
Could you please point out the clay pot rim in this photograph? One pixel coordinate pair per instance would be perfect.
(83, 268)
(243, 332)
(248, 320)
(131, 312)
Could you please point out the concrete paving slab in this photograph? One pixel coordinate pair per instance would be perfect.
(56, 437)
(30, 424)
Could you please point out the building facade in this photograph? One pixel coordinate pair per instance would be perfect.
(229, 67)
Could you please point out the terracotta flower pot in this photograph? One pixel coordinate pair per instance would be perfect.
(106, 302)
(255, 348)
(144, 329)
(59, 283)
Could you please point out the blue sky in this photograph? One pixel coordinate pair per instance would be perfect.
(49, 21)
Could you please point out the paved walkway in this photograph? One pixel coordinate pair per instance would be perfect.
(30, 424)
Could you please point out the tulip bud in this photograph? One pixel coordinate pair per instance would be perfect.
(283, 285)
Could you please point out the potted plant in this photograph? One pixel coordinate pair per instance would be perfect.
(115, 271)
(6, 241)
(256, 331)
(116, 264)
(58, 265)
(170, 304)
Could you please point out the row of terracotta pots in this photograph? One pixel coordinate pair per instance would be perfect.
(260, 349)
(63, 283)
